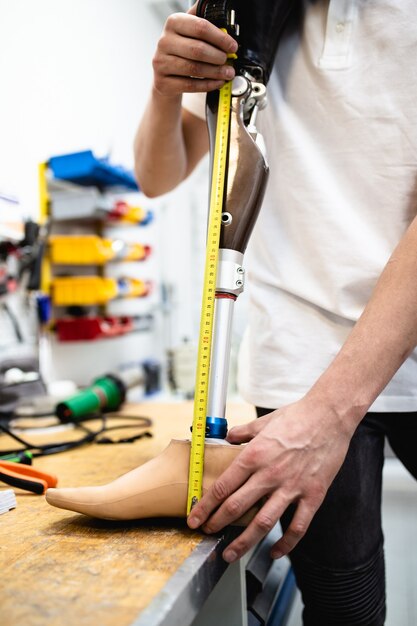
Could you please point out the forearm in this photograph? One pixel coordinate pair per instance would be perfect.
(381, 340)
(191, 56)
(160, 156)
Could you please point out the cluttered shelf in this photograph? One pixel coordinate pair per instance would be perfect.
(83, 200)
(62, 568)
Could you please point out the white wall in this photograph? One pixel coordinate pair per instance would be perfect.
(74, 74)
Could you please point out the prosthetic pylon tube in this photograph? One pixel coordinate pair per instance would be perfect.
(157, 488)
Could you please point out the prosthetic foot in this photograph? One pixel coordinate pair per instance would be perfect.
(156, 489)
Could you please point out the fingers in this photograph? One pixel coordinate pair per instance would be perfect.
(235, 506)
(173, 85)
(289, 459)
(259, 527)
(241, 470)
(295, 531)
(201, 30)
(235, 492)
(191, 54)
(219, 491)
(192, 10)
(265, 521)
(173, 75)
(181, 67)
(193, 50)
(246, 432)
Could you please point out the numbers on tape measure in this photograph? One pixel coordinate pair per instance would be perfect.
(195, 484)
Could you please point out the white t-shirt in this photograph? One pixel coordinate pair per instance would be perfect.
(341, 135)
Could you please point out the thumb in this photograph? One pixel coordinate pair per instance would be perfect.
(193, 10)
(246, 432)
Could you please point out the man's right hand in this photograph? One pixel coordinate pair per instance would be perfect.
(191, 56)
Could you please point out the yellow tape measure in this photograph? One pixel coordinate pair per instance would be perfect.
(195, 482)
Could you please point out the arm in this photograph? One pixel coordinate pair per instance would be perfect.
(294, 453)
(190, 57)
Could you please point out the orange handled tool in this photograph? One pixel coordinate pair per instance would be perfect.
(26, 477)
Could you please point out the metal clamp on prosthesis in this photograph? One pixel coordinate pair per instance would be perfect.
(257, 27)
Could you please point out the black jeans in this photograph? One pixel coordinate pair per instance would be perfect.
(339, 563)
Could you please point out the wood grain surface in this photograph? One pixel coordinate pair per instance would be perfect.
(64, 569)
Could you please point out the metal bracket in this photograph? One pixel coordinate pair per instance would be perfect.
(230, 273)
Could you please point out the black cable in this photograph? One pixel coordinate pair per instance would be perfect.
(14, 321)
(91, 436)
(50, 448)
(145, 422)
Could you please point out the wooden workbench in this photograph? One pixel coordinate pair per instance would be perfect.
(64, 569)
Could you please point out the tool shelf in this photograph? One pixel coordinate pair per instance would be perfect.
(91, 225)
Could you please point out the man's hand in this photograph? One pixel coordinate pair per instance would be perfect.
(293, 456)
(191, 56)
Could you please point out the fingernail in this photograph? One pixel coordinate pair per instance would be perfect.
(229, 72)
(230, 556)
(193, 522)
(233, 46)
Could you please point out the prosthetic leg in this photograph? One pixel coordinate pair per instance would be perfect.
(258, 27)
(159, 487)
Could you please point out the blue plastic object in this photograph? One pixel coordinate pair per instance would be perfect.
(44, 308)
(283, 601)
(216, 427)
(83, 168)
(148, 219)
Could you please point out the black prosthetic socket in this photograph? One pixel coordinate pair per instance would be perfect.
(261, 23)
(257, 26)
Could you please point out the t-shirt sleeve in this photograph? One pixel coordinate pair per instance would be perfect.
(195, 103)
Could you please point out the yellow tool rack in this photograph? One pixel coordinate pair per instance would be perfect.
(86, 229)
(93, 250)
(91, 290)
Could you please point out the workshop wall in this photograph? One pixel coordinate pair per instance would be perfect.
(75, 75)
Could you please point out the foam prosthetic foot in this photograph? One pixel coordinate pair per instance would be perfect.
(156, 489)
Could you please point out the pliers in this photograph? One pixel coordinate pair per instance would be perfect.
(25, 477)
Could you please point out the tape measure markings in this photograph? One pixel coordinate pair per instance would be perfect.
(195, 484)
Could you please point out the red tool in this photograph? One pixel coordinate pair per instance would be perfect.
(26, 477)
(88, 328)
